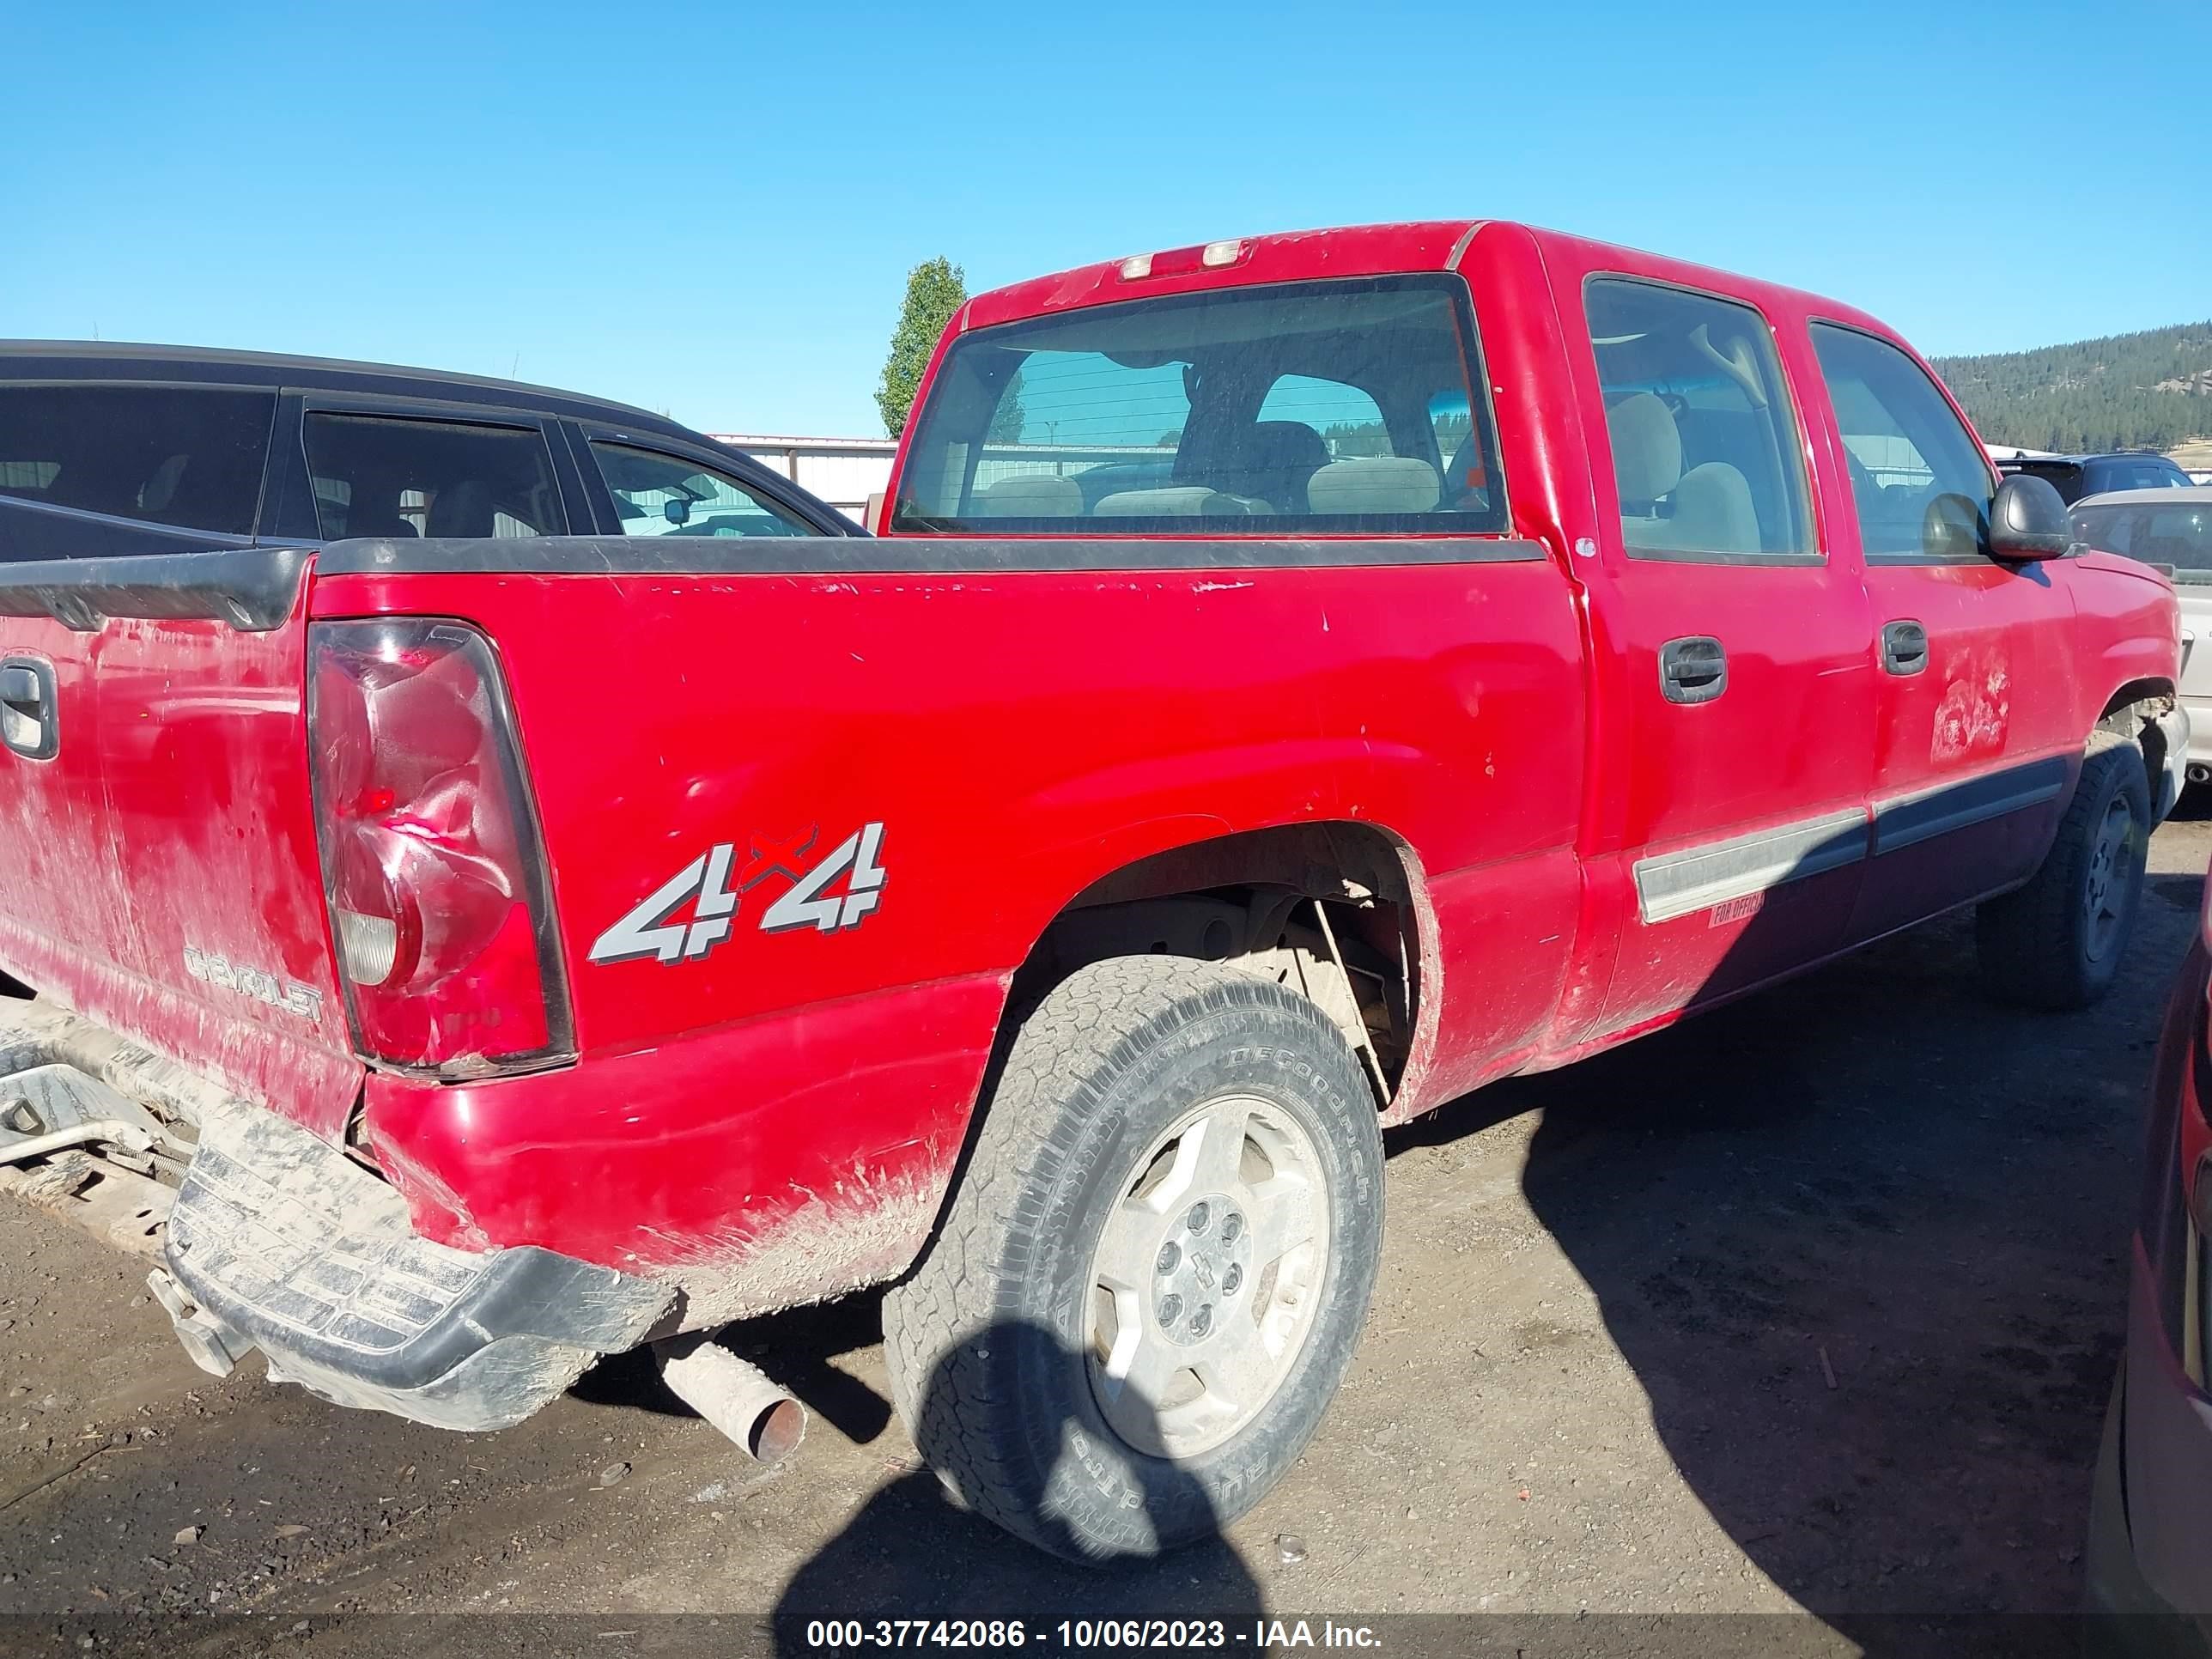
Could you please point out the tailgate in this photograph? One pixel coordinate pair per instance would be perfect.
(160, 872)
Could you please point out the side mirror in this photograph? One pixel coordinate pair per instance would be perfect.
(2029, 520)
(676, 510)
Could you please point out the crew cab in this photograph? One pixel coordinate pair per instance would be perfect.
(1302, 679)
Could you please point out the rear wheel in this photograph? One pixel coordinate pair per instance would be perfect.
(1151, 1277)
(2056, 942)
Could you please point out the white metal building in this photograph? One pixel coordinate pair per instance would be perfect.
(842, 471)
(845, 471)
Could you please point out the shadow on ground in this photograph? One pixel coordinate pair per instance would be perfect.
(914, 1552)
(1861, 1238)
(1877, 1305)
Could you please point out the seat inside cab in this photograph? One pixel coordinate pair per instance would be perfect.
(1704, 444)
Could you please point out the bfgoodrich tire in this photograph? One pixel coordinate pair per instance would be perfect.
(1151, 1279)
(2056, 942)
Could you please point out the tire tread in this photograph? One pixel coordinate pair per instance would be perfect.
(2026, 940)
(1093, 1026)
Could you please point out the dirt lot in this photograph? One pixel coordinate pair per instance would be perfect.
(1810, 1304)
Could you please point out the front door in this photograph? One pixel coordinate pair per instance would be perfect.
(1975, 744)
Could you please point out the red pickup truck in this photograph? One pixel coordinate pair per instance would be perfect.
(1300, 680)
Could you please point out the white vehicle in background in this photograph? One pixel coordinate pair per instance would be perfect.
(2171, 529)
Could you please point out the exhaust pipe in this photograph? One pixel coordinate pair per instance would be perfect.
(2199, 772)
(736, 1398)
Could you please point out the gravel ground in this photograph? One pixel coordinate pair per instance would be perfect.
(1811, 1305)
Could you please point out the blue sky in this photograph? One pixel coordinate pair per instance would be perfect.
(710, 210)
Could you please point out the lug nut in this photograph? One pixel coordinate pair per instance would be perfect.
(1201, 1322)
(1232, 1226)
(1171, 1257)
(1197, 1219)
(1171, 1309)
(1231, 1279)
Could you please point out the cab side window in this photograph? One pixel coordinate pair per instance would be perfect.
(658, 495)
(1707, 454)
(1921, 484)
(180, 455)
(392, 476)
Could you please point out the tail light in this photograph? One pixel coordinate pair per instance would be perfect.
(439, 902)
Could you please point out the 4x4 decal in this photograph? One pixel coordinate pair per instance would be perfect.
(651, 929)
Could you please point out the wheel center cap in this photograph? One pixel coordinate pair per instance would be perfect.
(1202, 1270)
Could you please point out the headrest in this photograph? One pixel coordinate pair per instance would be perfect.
(1376, 483)
(1282, 444)
(1467, 470)
(461, 509)
(1647, 449)
(1033, 495)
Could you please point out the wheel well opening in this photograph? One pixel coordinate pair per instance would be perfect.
(1327, 910)
(2134, 712)
(2141, 699)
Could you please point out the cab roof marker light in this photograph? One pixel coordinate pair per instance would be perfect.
(1218, 254)
(1136, 267)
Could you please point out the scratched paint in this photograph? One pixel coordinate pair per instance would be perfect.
(1975, 712)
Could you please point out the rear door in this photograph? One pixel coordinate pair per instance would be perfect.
(97, 470)
(160, 872)
(1975, 738)
(409, 468)
(1734, 650)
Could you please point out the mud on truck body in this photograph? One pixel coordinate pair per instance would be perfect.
(1300, 680)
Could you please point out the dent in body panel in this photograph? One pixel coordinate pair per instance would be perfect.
(180, 1047)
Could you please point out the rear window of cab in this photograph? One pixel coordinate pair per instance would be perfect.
(1344, 407)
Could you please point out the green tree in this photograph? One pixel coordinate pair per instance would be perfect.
(934, 290)
(1007, 419)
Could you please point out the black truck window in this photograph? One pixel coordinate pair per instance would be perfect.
(387, 476)
(179, 455)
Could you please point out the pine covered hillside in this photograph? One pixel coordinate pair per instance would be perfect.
(2148, 390)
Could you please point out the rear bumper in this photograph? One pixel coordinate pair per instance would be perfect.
(281, 1240)
(277, 1240)
(2198, 747)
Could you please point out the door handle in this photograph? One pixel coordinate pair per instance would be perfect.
(27, 723)
(1904, 647)
(1692, 670)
